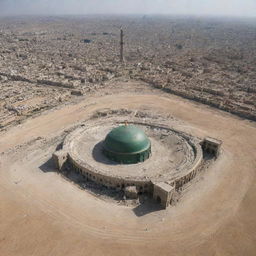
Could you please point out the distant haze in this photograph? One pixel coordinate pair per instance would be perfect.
(183, 7)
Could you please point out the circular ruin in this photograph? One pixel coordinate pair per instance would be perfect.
(174, 156)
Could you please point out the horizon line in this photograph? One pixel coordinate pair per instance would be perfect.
(130, 14)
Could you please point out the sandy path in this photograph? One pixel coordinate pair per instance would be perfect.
(42, 214)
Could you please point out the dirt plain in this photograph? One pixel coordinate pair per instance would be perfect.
(44, 214)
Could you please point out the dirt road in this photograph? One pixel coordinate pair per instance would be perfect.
(43, 214)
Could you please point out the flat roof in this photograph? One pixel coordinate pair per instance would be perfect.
(164, 186)
(213, 140)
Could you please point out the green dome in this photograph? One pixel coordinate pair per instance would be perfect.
(127, 144)
(126, 139)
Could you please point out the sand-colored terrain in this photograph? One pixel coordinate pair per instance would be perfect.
(44, 214)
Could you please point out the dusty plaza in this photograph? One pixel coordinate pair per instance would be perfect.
(131, 141)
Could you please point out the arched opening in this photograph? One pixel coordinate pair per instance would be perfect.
(158, 199)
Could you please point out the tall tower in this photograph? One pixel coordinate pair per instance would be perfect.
(121, 45)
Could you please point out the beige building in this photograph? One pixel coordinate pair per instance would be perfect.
(211, 146)
(163, 193)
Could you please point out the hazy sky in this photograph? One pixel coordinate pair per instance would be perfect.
(190, 7)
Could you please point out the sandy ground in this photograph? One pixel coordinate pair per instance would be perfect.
(44, 214)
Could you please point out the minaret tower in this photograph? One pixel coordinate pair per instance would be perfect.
(121, 46)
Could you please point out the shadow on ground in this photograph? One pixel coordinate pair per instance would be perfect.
(147, 206)
(48, 166)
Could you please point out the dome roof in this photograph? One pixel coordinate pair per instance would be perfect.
(126, 139)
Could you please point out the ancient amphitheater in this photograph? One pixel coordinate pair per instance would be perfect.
(174, 160)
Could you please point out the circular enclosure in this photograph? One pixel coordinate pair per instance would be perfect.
(175, 156)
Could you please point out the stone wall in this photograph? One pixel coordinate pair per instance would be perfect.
(109, 181)
(193, 171)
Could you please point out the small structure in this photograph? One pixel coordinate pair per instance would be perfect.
(59, 158)
(163, 193)
(127, 144)
(131, 192)
(211, 146)
(87, 41)
(77, 92)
